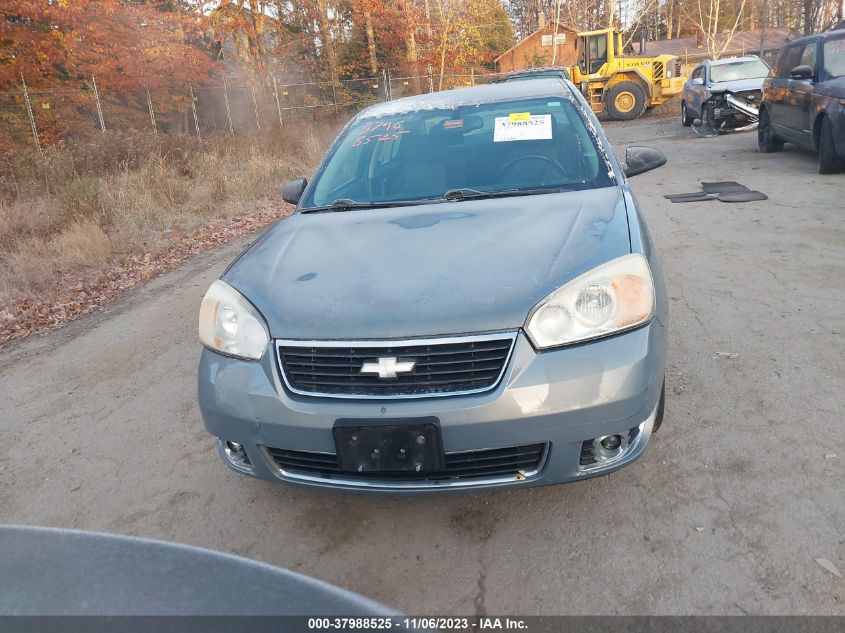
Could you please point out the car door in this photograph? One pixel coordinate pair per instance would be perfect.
(778, 94)
(801, 96)
(696, 92)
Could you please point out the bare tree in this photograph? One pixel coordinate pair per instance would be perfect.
(708, 16)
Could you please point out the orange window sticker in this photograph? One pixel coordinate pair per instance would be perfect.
(452, 124)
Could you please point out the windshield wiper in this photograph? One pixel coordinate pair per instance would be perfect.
(474, 194)
(345, 204)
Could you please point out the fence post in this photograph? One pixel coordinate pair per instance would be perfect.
(334, 98)
(99, 107)
(386, 86)
(30, 115)
(278, 105)
(228, 110)
(255, 107)
(472, 76)
(194, 110)
(430, 79)
(152, 114)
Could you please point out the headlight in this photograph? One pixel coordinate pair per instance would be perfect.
(616, 296)
(229, 324)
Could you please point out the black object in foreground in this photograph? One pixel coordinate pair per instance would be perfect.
(696, 196)
(725, 186)
(742, 196)
(46, 571)
(724, 191)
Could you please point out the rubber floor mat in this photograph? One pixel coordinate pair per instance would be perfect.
(725, 186)
(699, 198)
(742, 196)
(682, 196)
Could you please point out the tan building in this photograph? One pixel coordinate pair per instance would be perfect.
(538, 49)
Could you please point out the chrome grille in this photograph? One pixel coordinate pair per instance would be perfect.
(441, 367)
(493, 462)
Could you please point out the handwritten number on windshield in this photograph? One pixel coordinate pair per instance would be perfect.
(381, 131)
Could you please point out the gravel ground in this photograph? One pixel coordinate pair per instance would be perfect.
(726, 513)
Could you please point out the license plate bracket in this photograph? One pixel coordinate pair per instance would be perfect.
(411, 445)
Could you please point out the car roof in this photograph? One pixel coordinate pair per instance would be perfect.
(730, 60)
(536, 71)
(476, 95)
(829, 35)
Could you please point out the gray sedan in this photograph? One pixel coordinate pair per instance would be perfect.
(466, 297)
(711, 81)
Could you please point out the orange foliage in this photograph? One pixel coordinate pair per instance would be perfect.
(126, 45)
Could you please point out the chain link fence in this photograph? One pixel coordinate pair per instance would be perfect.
(45, 118)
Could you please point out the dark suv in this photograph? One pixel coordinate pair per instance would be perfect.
(804, 99)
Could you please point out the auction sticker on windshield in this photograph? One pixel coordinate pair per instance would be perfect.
(523, 127)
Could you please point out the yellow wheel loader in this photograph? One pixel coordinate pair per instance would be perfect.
(620, 85)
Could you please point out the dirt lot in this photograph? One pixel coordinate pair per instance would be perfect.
(738, 494)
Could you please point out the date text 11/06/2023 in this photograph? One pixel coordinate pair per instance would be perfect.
(419, 623)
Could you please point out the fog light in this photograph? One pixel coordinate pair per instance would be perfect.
(236, 456)
(611, 442)
(608, 448)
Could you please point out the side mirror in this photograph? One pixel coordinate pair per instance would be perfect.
(802, 72)
(639, 160)
(698, 81)
(292, 190)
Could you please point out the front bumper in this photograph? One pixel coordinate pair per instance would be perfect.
(559, 398)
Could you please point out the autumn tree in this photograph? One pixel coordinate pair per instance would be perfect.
(126, 45)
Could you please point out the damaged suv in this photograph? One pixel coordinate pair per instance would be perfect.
(466, 297)
(724, 95)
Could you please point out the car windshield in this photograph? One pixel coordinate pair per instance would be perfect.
(479, 149)
(834, 59)
(732, 71)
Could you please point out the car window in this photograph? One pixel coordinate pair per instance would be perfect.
(789, 59)
(809, 55)
(698, 73)
(487, 147)
(834, 59)
(732, 71)
(598, 51)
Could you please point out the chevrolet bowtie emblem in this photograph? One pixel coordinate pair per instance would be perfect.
(388, 367)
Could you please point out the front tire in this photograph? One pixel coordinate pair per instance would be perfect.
(626, 101)
(767, 140)
(829, 162)
(686, 119)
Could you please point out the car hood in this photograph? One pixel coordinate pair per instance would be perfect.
(831, 88)
(440, 269)
(738, 85)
